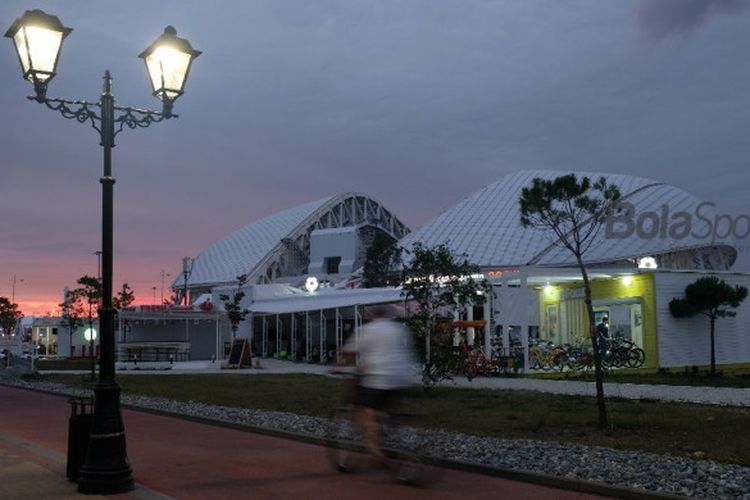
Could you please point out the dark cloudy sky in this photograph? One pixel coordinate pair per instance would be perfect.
(416, 102)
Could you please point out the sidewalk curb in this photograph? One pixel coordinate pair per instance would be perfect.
(570, 484)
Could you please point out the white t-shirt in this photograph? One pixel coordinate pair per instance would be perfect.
(386, 355)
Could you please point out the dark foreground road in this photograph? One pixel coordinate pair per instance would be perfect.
(177, 458)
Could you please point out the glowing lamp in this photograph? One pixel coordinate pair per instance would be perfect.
(647, 263)
(89, 334)
(627, 280)
(312, 284)
(38, 38)
(168, 61)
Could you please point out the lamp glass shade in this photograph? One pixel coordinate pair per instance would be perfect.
(168, 62)
(38, 39)
(168, 68)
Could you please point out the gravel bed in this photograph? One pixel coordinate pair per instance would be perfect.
(681, 476)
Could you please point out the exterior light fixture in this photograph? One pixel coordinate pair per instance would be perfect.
(38, 39)
(647, 263)
(627, 280)
(548, 289)
(311, 284)
(89, 334)
(168, 61)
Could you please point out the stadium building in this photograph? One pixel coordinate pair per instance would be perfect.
(304, 266)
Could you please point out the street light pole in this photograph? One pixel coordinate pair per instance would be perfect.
(187, 270)
(13, 290)
(163, 274)
(98, 254)
(38, 39)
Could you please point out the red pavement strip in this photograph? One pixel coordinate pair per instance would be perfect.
(184, 459)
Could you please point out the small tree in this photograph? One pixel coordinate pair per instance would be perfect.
(439, 283)
(173, 300)
(10, 315)
(124, 297)
(382, 262)
(712, 298)
(89, 296)
(575, 212)
(232, 305)
(72, 315)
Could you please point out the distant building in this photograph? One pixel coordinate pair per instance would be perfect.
(637, 263)
(301, 265)
(54, 338)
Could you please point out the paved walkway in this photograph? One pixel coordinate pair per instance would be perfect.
(175, 458)
(692, 394)
(730, 396)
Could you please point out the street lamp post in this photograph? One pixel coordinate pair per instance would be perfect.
(98, 254)
(163, 275)
(187, 270)
(13, 289)
(38, 39)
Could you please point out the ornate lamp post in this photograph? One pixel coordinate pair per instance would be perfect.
(38, 39)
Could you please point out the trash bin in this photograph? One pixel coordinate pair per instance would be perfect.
(79, 431)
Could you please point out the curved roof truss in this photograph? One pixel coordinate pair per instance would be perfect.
(347, 210)
(286, 250)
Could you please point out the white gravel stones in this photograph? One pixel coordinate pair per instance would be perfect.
(682, 476)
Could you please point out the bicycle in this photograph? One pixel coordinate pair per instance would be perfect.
(405, 447)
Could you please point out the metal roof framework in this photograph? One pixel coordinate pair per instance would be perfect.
(278, 245)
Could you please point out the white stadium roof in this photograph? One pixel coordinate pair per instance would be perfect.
(486, 225)
(266, 248)
(241, 250)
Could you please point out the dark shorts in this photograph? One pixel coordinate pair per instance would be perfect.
(377, 399)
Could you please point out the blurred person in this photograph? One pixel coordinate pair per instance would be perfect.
(603, 328)
(386, 361)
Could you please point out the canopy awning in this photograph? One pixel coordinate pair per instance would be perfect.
(326, 299)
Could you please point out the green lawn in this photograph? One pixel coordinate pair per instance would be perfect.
(720, 433)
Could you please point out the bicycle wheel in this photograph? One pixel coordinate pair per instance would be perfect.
(344, 444)
(636, 357)
(407, 450)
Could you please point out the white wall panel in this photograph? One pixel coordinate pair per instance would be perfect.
(686, 341)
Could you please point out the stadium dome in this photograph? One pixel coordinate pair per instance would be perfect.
(278, 245)
(486, 228)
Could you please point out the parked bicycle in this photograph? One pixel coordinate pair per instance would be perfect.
(615, 353)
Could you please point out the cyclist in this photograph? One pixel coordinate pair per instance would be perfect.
(385, 368)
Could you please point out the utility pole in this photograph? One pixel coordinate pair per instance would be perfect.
(163, 275)
(98, 254)
(13, 289)
(187, 269)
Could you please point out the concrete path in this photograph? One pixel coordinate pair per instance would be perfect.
(176, 458)
(729, 396)
(691, 394)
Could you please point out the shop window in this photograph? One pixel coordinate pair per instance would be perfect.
(625, 320)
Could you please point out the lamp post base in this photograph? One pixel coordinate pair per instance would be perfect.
(106, 470)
